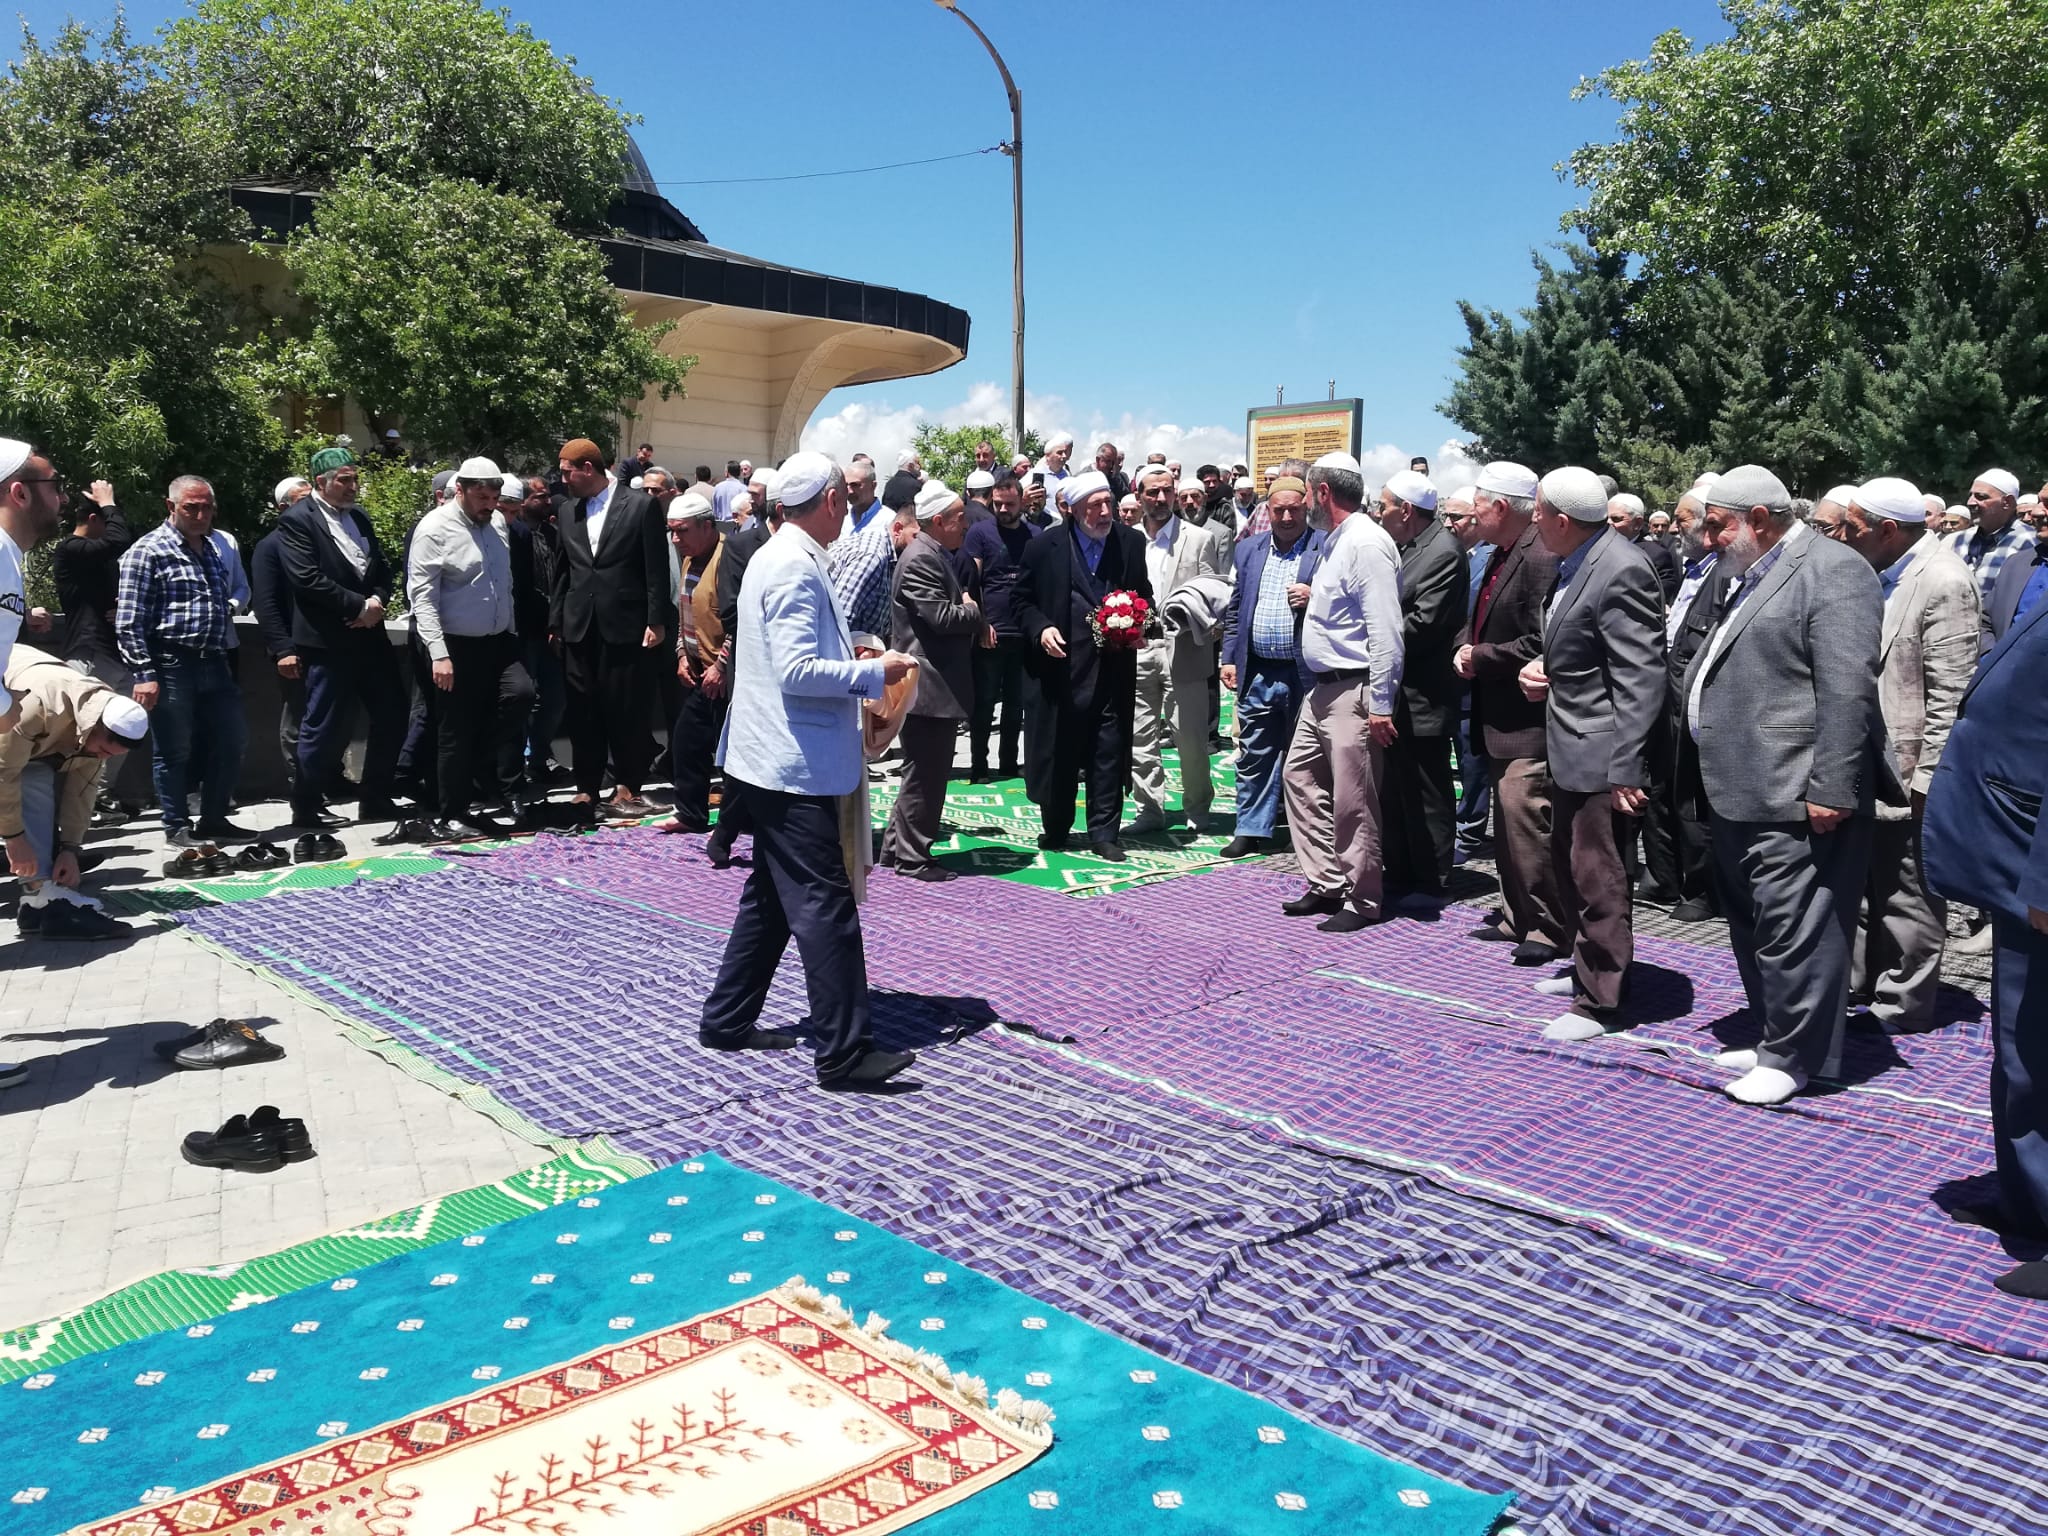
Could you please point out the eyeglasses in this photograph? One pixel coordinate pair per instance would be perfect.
(56, 480)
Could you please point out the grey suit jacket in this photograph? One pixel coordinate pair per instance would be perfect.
(1788, 709)
(930, 620)
(1603, 651)
(1928, 655)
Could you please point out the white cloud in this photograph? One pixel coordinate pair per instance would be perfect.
(883, 431)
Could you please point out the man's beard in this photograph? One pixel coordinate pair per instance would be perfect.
(1742, 552)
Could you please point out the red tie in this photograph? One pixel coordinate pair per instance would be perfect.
(1493, 570)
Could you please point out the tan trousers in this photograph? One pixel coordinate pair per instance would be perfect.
(1528, 873)
(1173, 700)
(1332, 784)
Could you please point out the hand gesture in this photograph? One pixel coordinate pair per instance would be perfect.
(1297, 595)
(896, 666)
(1052, 642)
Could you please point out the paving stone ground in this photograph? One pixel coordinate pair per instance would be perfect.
(93, 1193)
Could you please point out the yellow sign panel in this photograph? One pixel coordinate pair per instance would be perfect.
(1300, 432)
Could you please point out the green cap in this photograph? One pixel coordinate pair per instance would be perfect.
(327, 460)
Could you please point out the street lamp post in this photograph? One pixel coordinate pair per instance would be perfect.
(1015, 150)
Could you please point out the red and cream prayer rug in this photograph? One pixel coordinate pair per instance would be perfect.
(777, 1416)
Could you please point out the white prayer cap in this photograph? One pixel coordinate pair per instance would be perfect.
(1707, 478)
(125, 718)
(637, 483)
(284, 488)
(1059, 440)
(1147, 472)
(1021, 464)
(1243, 483)
(980, 480)
(483, 469)
(1889, 497)
(804, 475)
(1633, 503)
(905, 459)
(691, 505)
(1746, 486)
(1342, 461)
(2030, 500)
(1076, 489)
(1413, 487)
(13, 454)
(513, 489)
(1462, 496)
(1575, 492)
(2003, 481)
(1504, 477)
(770, 481)
(1191, 485)
(1842, 495)
(1962, 512)
(934, 499)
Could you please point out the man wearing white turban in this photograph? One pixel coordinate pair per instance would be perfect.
(1928, 652)
(1995, 500)
(1081, 700)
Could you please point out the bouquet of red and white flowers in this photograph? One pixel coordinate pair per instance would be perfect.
(1119, 623)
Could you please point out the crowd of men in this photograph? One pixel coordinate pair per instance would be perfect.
(1743, 705)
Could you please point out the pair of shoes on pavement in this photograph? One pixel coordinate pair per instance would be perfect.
(221, 1044)
(201, 861)
(624, 807)
(61, 919)
(261, 1142)
(317, 848)
(871, 1071)
(262, 854)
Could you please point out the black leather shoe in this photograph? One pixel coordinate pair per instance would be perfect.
(1312, 904)
(1112, 851)
(719, 852)
(754, 1040)
(1242, 847)
(1487, 933)
(69, 920)
(226, 1043)
(262, 855)
(1350, 921)
(413, 830)
(935, 873)
(291, 1135)
(442, 830)
(216, 831)
(870, 1071)
(1535, 952)
(1693, 912)
(480, 824)
(235, 1145)
(186, 837)
(29, 919)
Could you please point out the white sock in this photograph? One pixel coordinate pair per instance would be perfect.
(1562, 985)
(1573, 1026)
(1765, 1085)
(1737, 1061)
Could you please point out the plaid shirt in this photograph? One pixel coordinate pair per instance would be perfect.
(1272, 616)
(862, 560)
(171, 595)
(1987, 557)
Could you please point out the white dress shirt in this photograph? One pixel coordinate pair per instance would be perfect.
(1745, 584)
(1353, 619)
(594, 512)
(355, 549)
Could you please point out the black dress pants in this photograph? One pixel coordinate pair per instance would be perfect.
(610, 687)
(692, 752)
(361, 671)
(798, 889)
(1068, 747)
(1418, 814)
(998, 679)
(480, 723)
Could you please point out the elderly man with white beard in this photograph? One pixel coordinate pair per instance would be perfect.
(1783, 701)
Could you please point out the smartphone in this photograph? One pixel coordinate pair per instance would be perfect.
(1038, 477)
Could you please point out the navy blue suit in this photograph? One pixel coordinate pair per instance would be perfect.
(1983, 841)
(1269, 691)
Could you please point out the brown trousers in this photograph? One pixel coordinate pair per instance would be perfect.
(1586, 852)
(1332, 784)
(1528, 873)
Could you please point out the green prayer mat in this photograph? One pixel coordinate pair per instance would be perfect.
(181, 1297)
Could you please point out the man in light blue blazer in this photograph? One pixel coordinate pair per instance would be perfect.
(792, 746)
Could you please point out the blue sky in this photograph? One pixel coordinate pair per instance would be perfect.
(1219, 197)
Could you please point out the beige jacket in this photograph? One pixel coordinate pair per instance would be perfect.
(58, 706)
(1926, 656)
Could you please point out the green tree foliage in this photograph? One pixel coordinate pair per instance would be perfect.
(447, 285)
(1812, 245)
(308, 90)
(947, 453)
(463, 311)
(115, 342)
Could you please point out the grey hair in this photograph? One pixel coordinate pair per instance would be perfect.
(185, 483)
(1299, 468)
(1521, 506)
(804, 509)
(1346, 489)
